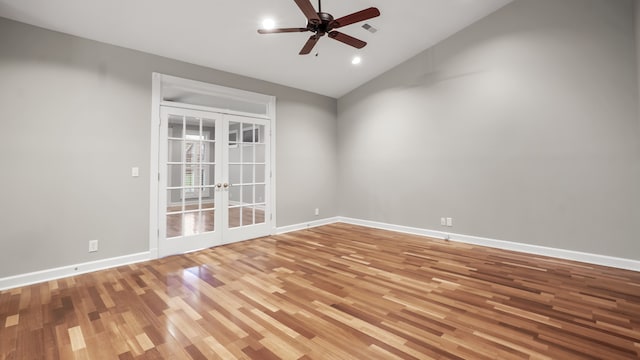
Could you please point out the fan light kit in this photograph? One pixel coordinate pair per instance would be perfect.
(321, 24)
(356, 60)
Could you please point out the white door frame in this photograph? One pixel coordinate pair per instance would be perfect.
(162, 84)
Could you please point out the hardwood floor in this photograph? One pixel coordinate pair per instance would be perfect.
(333, 292)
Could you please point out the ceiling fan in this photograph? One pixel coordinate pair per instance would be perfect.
(321, 24)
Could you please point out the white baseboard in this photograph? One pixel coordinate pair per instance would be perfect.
(589, 258)
(71, 270)
(306, 225)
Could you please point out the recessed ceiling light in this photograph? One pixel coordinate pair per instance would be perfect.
(268, 24)
(356, 60)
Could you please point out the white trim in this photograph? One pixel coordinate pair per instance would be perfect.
(72, 270)
(154, 170)
(179, 105)
(205, 88)
(271, 111)
(11, 282)
(596, 259)
(306, 225)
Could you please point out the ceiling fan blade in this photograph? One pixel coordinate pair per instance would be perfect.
(308, 46)
(361, 15)
(308, 11)
(282, 30)
(349, 40)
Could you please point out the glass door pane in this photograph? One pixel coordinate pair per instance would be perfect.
(188, 188)
(235, 147)
(190, 185)
(247, 166)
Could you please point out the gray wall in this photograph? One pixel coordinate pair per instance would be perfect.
(636, 19)
(523, 127)
(75, 117)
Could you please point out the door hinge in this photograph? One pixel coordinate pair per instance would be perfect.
(158, 176)
(271, 217)
(158, 232)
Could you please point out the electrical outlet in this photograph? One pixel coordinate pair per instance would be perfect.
(317, 212)
(93, 245)
(449, 221)
(443, 221)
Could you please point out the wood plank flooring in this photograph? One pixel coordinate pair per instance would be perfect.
(333, 292)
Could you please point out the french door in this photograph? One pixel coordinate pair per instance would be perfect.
(214, 179)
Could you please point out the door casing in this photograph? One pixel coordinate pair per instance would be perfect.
(235, 102)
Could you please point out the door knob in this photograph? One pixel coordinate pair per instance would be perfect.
(226, 185)
(218, 185)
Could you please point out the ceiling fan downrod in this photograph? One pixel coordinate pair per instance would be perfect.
(319, 6)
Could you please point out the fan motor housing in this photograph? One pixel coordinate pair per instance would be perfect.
(324, 27)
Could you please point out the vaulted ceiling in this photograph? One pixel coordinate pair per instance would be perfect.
(222, 34)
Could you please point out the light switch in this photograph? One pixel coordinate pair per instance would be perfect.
(135, 171)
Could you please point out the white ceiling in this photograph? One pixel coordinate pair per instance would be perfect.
(221, 34)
